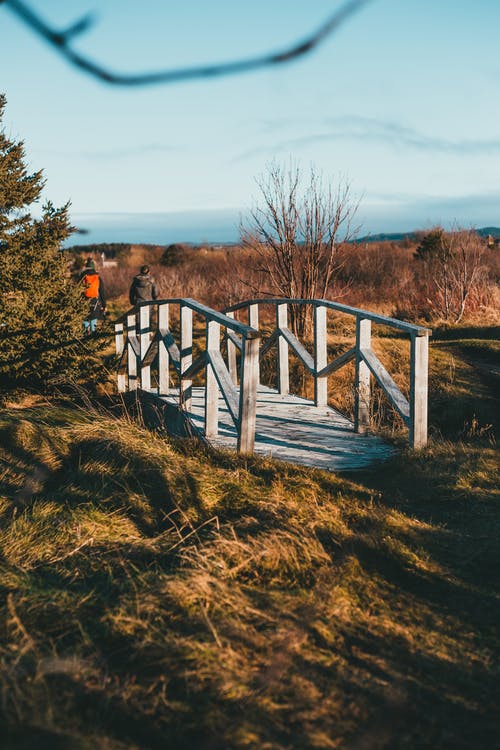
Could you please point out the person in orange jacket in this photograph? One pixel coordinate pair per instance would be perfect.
(93, 291)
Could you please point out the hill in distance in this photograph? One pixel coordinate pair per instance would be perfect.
(399, 236)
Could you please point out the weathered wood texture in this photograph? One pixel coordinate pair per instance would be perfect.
(148, 355)
(367, 364)
(289, 428)
(149, 351)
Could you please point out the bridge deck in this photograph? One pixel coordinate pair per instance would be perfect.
(290, 428)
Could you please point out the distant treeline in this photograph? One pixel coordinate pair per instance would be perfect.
(110, 249)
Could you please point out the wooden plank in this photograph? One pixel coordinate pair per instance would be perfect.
(220, 318)
(163, 353)
(283, 373)
(172, 349)
(298, 348)
(253, 316)
(320, 356)
(211, 387)
(355, 311)
(419, 365)
(292, 429)
(339, 362)
(386, 383)
(248, 396)
(196, 366)
(268, 343)
(253, 322)
(133, 360)
(185, 356)
(231, 353)
(131, 335)
(227, 388)
(151, 353)
(362, 377)
(144, 339)
(235, 339)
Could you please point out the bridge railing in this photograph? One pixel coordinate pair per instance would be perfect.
(366, 362)
(150, 358)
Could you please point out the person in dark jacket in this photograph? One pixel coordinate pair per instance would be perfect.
(93, 291)
(143, 288)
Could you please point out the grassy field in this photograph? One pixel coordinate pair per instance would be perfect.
(158, 596)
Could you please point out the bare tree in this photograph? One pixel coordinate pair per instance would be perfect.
(296, 233)
(453, 269)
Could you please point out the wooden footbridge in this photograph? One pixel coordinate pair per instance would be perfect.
(207, 364)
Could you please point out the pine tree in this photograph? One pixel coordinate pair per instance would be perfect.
(41, 309)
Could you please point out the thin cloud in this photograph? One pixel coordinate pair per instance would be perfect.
(367, 129)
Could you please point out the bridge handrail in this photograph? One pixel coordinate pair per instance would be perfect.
(144, 341)
(207, 312)
(356, 311)
(367, 364)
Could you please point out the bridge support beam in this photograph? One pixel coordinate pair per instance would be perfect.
(186, 356)
(144, 339)
(212, 387)
(362, 377)
(320, 356)
(283, 371)
(248, 395)
(419, 361)
(163, 356)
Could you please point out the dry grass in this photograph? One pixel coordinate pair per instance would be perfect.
(156, 595)
(381, 276)
(159, 597)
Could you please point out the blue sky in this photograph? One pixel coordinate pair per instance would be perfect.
(403, 101)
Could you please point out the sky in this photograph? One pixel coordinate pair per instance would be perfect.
(403, 102)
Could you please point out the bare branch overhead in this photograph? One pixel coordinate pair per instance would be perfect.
(61, 40)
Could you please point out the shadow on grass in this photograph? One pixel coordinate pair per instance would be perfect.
(289, 671)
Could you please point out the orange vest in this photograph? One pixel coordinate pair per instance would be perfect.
(91, 285)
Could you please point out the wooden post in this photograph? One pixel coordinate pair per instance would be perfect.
(253, 322)
(362, 377)
(212, 387)
(320, 356)
(163, 357)
(119, 346)
(144, 339)
(419, 363)
(283, 376)
(231, 356)
(186, 359)
(132, 363)
(248, 394)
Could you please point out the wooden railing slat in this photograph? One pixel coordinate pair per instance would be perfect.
(283, 367)
(235, 339)
(248, 396)
(268, 343)
(337, 363)
(151, 353)
(362, 384)
(339, 307)
(298, 348)
(419, 366)
(196, 366)
(386, 383)
(229, 392)
(173, 350)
